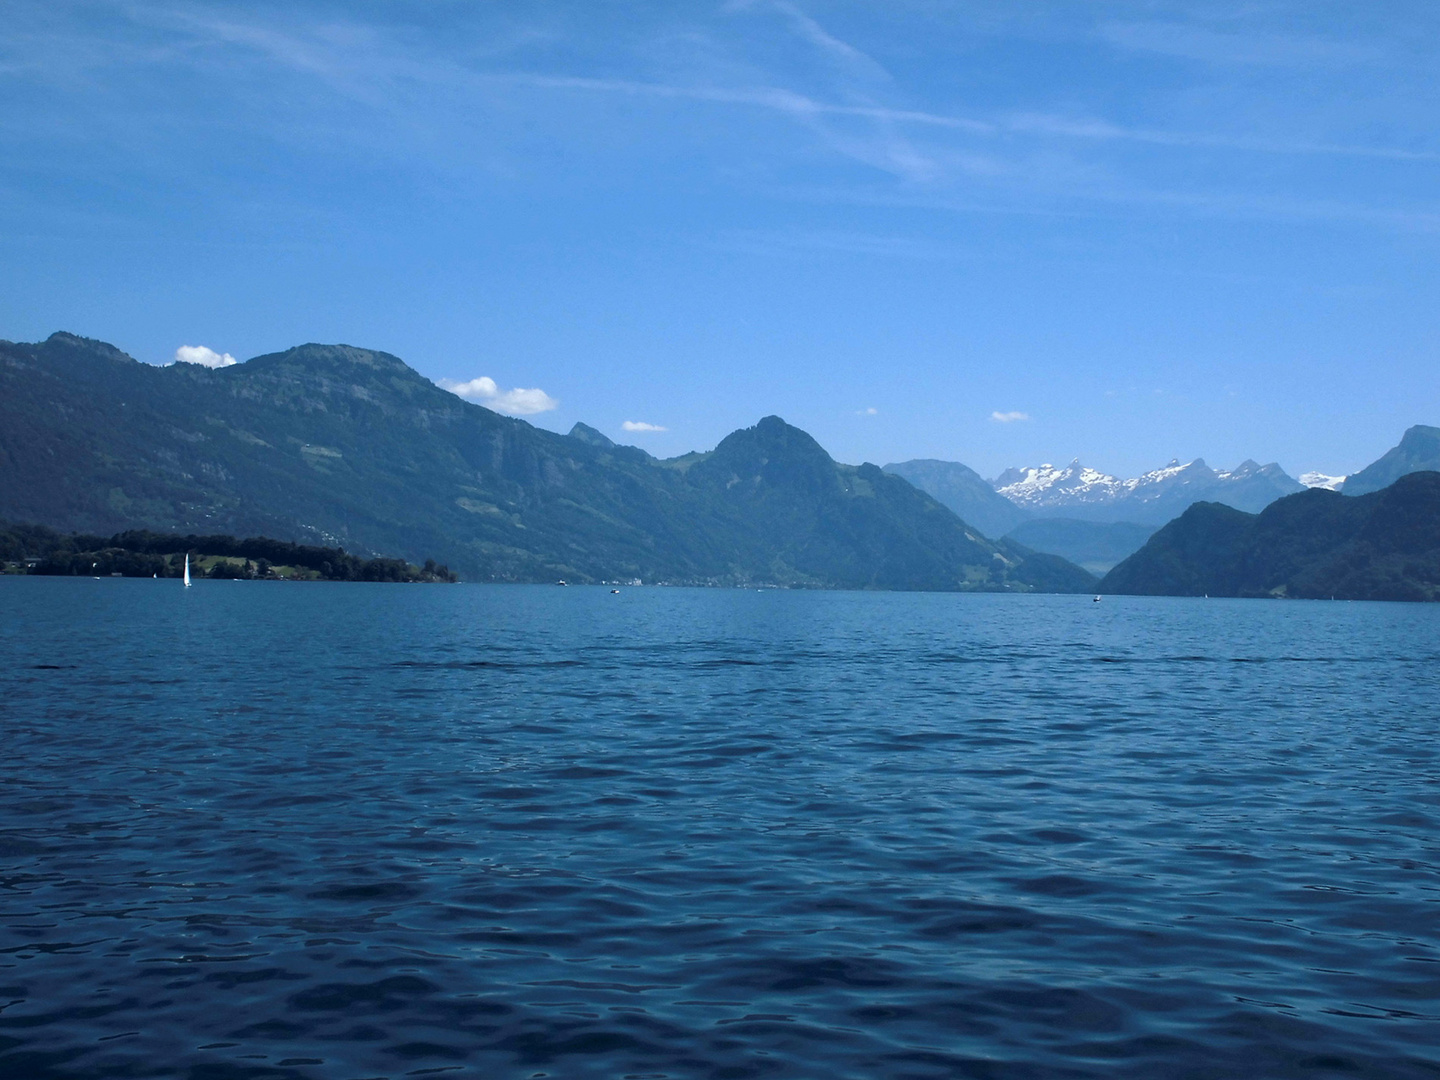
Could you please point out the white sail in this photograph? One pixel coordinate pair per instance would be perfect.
(187, 569)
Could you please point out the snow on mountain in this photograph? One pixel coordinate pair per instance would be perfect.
(1320, 480)
(1155, 496)
(1157, 483)
(1048, 487)
(1044, 484)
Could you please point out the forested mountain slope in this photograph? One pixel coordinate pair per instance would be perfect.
(335, 444)
(1317, 544)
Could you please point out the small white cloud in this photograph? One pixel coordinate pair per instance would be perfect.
(1008, 417)
(871, 411)
(640, 425)
(481, 389)
(516, 402)
(199, 354)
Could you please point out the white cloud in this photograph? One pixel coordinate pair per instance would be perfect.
(640, 425)
(1008, 417)
(199, 354)
(516, 402)
(871, 411)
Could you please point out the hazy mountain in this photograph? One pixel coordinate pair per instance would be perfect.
(963, 490)
(1419, 449)
(1381, 546)
(1153, 498)
(336, 444)
(1096, 546)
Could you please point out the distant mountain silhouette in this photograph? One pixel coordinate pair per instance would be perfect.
(1096, 546)
(1384, 545)
(1419, 450)
(1085, 516)
(339, 445)
(963, 490)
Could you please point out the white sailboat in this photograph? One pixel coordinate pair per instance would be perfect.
(187, 570)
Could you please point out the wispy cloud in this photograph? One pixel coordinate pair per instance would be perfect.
(199, 354)
(1196, 42)
(1098, 130)
(1038, 124)
(871, 411)
(640, 425)
(840, 51)
(780, 99)
(516, 402)
(430, 100)
(1008, 417)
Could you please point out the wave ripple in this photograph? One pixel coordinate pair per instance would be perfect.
(253, 832)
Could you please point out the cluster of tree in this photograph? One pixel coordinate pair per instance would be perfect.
(19, 542)
(140, 553)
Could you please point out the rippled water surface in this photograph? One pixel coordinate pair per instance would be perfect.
(341, 831)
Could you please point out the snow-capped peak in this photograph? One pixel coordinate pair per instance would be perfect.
(1045, 483)
(1167, 490)
(1169, 472)
(1320, 480)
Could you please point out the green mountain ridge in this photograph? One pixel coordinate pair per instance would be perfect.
(345, 446)
(1317, 544)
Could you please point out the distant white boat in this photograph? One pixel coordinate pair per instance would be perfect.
(1096, 600)
(187, 570)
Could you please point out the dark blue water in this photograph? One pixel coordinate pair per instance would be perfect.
(341, 831)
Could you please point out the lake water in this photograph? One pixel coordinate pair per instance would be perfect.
(341, 831)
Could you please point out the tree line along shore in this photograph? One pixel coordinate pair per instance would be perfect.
(37, 549)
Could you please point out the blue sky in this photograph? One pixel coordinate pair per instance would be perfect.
(1131, 230)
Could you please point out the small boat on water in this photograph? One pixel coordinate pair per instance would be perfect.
(1096, 600)
(187, 570)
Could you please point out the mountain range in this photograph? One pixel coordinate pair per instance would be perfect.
(340, 445)
(1095, 520)
(333, 444)
(1318, 544)
(1152, 498)
(1088, 517)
